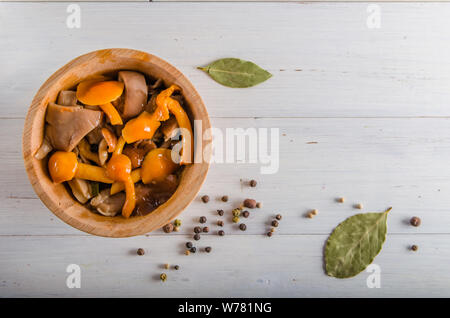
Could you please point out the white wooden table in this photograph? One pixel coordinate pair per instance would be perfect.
(375, 101)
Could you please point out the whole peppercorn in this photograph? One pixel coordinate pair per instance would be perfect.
(197, 229)
(253, 183)
(168, 228)
(242, 227)
(358, 206)
(340, 200)
(250, 203)
(225, 198)
(236, 212)
(176, 267)
(245, 214)
(269, 234)
(208, 249)
(221, 233)
(259, 205)
(177, 223)
(188, 244)
(176, 229)
(220, 212)
(278, 217)
(163, 277)
(193, 249)
(415, 221)
(197, 237)
(236, 219)
(140, 251)
(309, 215)
(187, 252)
(166, 266)
(414, 248)
(220, 223)
(314, 212)
(205, 199)
(272, 229)
(205, 229)
(275, 223)
(202, 219)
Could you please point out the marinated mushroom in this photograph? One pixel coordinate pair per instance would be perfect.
(108, 205)
(130, 148)
(135, 95)
(66, 125)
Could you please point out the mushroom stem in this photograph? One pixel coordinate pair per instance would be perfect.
(119, 186)
(92, 173)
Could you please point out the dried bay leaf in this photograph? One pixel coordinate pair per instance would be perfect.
(354, 244)
(233, 72)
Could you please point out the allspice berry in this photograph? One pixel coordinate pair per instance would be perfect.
(275, 223)
(278, 217)
(415, 221)
(269, 234)
(205, 199)
(168, 228)
(250, 203)
(414, 248)
(253, 183)
(205, 229)
(220, 223)
(140, 251)
(197, 229)
(225, 198)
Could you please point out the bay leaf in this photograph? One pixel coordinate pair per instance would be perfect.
(354, 244)
(233, 72)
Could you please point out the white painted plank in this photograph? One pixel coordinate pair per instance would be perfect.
(347, 69)
(377, 162)
(250, 266)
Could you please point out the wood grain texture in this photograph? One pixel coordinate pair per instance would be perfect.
(373, 100)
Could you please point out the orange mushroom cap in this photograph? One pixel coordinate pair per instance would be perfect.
(93, 92)
(157, 165)
(62, 166)
(118, 167)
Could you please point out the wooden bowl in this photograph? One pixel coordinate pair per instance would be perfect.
(56, 196)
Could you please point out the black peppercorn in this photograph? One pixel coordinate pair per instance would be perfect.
(197, 229)
(205, 229)
(242, 226)
(189, 244)
(176, 267)
(225, 198)
(221, 233)
(220, 212)
(202, 219)
(274, 223)
(193, 249)
(208, 249)
(245, 214)
(415, 221)
(414, 248)
(269, 234)
(205, 199)
(278, 217)
(220, 223)
(197, 237)
(140, 251)
(253, 183)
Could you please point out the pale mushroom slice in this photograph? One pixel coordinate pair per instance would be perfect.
(81, 189)
(108, 205)
(67, 98)
(135, 94)
(67, 125)
(169, 128)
